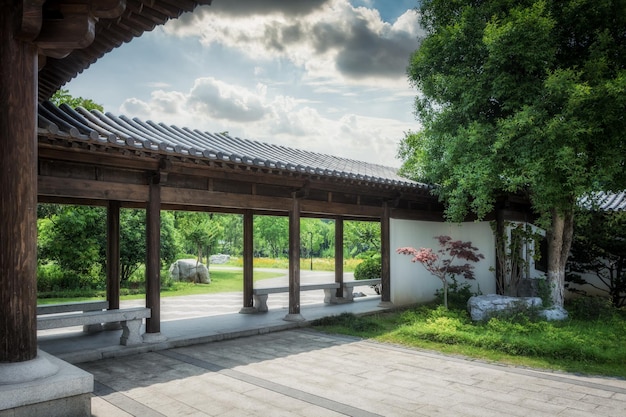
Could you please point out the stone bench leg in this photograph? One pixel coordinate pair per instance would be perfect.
(92, 328)
(330, 295)
(348, 294)
(131, 332)
(260, 302)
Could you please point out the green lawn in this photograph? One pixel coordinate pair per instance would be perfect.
(222, 280)
(582, 346)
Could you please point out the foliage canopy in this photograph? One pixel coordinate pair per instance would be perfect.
(521, 96)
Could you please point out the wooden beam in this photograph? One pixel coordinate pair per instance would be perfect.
(89, 189)
(18, 188)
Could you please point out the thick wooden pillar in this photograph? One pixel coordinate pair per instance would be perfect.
(113, 254)
(153, 256)
(294, 262)
(18, 187)
(339, 255)
(385, 256)
(248, 265)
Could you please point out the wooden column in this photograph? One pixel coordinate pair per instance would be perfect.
(113, 254)
(385, 256)
(248, 266)
(18, 187)
(339, 255)
(153, 256)
(294, 262)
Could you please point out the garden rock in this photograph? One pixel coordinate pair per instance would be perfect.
(190, 270)
(219, 259)
(554, 314)
(482, 307)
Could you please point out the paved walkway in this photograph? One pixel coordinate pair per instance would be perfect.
(304, 373)
(261, 365)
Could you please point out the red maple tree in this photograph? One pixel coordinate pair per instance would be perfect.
(440, 263)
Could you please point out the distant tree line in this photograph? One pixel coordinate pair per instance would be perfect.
(72, 241)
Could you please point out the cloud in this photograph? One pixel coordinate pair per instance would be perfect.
(216, 106)
(330, 39)
(220, 100)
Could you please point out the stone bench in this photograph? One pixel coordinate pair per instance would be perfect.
(130, 319)
(348, 287)
(83, 306)
(260, 294)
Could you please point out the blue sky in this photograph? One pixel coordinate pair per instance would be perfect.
(323, 75)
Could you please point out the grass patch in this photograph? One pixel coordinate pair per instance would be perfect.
(588, 347)
(222, 280)
(319, 264)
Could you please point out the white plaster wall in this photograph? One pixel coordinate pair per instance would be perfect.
(411, 283)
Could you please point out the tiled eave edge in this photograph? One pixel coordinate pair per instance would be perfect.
(52, 137)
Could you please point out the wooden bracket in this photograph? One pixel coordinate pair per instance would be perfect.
(303, 192)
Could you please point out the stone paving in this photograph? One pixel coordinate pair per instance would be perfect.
(304, 373)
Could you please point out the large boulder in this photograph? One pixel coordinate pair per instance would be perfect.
(190, 270)
(482, 307)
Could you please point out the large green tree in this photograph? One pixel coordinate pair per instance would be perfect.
(74, 237)
(520, 97)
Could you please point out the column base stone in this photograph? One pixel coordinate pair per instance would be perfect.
(64, 393)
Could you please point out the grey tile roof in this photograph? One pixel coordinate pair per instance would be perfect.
(605, 201)
(121, 131)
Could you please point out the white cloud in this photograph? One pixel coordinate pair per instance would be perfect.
(215, 106)
(220, 100)
(332, 40)
(319, 75)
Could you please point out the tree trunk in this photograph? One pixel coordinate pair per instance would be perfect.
(559, 242)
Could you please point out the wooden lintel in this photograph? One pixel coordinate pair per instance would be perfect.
(89, 189)
(170, 195)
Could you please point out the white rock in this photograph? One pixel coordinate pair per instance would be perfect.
(190, 270)
(482, 307)
(554, 314)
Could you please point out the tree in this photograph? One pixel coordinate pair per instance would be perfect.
(520, 97)
(232, 238)
(362, 237)
(133, 240)
(599, 248)
(199, 231)
(271, 235)
(63, 96)
(74, 237)
(440, 263)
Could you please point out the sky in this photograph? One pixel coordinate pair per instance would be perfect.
(326, 76)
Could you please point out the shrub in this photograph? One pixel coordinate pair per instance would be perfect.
(458, 294)
(591, 308)
(369, 269)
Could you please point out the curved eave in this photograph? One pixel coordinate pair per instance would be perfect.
(138, 17)
(100, 132)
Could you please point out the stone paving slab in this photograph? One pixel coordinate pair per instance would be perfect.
(305, 373)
